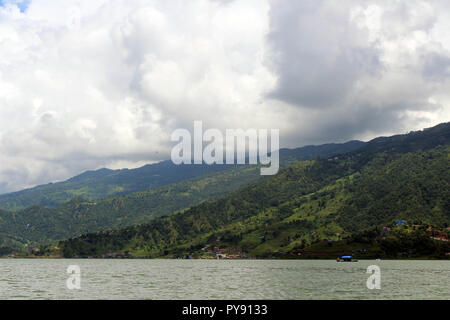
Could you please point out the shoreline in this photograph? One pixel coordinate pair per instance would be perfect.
(252, 259)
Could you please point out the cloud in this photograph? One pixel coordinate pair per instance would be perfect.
(319, 53)
(86, 84)
(354, 69)
(89, 84)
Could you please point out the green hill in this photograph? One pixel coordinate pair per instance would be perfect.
(404, 177)
(99, 184)
(38, 224)
(94, 185)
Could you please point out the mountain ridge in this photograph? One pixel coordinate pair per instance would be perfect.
(101, 183)
(324, 199)
(38, 224)
(313, 201)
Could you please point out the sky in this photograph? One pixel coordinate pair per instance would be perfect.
(86, 84)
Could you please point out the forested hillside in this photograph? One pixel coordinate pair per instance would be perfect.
(94, 185)
(407, 179)
(38, 224)
(99, 184)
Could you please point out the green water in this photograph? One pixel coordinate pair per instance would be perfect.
(223, 279)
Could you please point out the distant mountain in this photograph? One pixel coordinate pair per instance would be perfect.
(93, 185)
(38, 224)
(322, 151)
(415, 140)
(404, 177)
(99, 184)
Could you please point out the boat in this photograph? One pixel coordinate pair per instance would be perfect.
(346, 259)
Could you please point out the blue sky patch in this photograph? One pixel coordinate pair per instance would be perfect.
(22, 4)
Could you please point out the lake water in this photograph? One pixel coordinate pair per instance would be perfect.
(223, 279)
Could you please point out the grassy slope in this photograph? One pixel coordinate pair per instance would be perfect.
(39, 224)
(43, 225)
(302, 204)
(94, 185)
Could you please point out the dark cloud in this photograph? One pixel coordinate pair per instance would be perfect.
(317, 52)
(436, 66)
(356, 68)
(109, 90)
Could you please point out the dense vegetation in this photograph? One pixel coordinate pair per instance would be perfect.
(38, 224)
(94, 185)
(406, 241)
(415, 186)
(402, 177)
(43, 225)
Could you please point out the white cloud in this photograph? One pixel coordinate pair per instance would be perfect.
(91, 83)
(355, 69)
